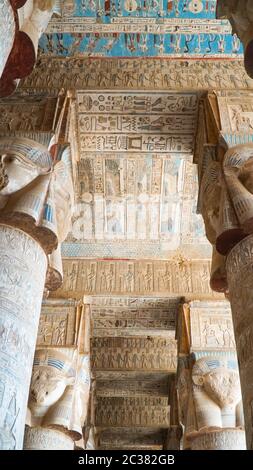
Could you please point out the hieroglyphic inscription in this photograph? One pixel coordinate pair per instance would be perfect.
(24, 112)
(21, 290)
(236, 112)
(211, 326)
(7, 32)
(133, 412)
(135, 74)
(134, 353)
(132, 384)
(239, 273)
(149, 278)
(134, 315)
(57, 325)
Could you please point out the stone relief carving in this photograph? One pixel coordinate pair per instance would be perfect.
(227, 439)
(134, 353)
(161, 277)
(36, 187)
(59, 325)
(24, 113)
(133, 416)
(211, 326)
(216, 393)
(38, 438)
(3, 176)
(7, 32)
(236, 212)
(59, 390)
(239, 272)
(135, 74)
(21, 293)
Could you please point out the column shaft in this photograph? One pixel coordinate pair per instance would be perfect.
(23, 266)
(239, 267)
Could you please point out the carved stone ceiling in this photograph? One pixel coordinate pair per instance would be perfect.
(134, 359)
(139, 28)
(136, 190)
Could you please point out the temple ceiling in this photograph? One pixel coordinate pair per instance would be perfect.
(136, 185)
(139, 28)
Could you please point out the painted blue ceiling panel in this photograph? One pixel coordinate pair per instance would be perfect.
(109, 9)
(139, 28)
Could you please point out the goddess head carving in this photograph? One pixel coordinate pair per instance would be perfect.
(216, 392)
(47, 387)
(221, 384)
(52, 373)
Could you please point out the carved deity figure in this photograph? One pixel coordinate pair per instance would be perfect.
(38, 196)
(59, 391)
(216, 393)
(226, 203)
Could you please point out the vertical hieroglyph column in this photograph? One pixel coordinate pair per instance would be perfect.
(239, 268)
(7, 32)
(23, 265)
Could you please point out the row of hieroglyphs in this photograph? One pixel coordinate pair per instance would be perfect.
(134, 277)
(150, 74)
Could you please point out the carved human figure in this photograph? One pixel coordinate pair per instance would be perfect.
(216, 393)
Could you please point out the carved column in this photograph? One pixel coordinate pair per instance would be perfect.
(209, 391)
(240, 281)
(226, 204)
(60, 386)
(240, 15)
(33, 218)
(7, 32)
(21, 24)
(22, 276)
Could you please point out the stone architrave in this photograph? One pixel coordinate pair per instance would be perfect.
(146, 74)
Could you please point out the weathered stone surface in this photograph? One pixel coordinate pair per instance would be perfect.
(150, 74)
(225, 439)
(240, 281)
(22, 276)
(38, 438)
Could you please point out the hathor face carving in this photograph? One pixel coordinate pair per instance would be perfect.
(47, 387)
(221, 384)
